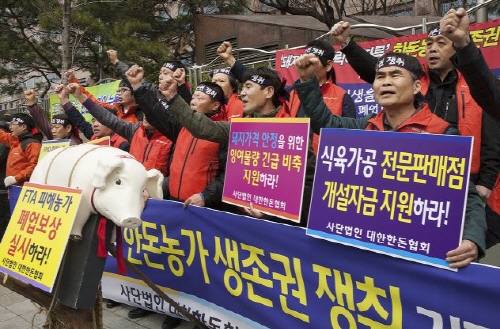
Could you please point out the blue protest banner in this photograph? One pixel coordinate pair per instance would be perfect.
(235, 272)
(402, 194)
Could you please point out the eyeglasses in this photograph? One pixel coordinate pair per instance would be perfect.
(122, 90)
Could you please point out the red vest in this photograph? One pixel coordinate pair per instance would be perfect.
(470, 116)
(194, 165)
(424, 121)
(234, 107)
(129, 116)
(153, 153)
(333, 97)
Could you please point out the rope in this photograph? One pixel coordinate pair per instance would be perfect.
(50, 164)
(181, 309)
(76, 163)
(56, 290)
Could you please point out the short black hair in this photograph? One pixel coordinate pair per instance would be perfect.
(407, 62)
(63, 116)
(270, 75)
(215, 87)
(329, 55)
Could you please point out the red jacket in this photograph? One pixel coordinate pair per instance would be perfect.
(21, 163)
(333, 97)
(424, 121)
(234, 107)
(115, 140)
(194, 165)
(470, 115)
(153, 153)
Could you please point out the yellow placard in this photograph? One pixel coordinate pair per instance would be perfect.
(35, 240)
(52, 145)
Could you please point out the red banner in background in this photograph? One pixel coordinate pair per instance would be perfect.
(485, 35)
(285, 60)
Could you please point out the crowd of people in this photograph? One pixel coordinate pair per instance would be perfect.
(186, 136)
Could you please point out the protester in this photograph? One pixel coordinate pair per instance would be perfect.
(171, 68)
(397, 89)
(227, 81)
(338, 101)
(147, 145)
(90, 131)
(262, 95)
(198, 164)
(60, 127)
(4, 196)
(24, 142)
(470, 62)
(447, 92)
(126, 107)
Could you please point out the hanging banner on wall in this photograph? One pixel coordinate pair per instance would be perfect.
(485, 36)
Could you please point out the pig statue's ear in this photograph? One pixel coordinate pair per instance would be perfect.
(104, 168)
(153, 184)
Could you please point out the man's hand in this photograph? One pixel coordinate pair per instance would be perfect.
(466, 253)
(455, 26)
(225, 52)
(195, 200)
(135, 74)
(30, 97)
(70, 75)
(62, 94)
(483, 192)
(306, 66)
(251, 211)
(9, 180)
(74, 89)
(341, 32)
(168, 87)
(180, 76)
(112, 55)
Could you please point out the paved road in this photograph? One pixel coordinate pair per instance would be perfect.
(17, 312)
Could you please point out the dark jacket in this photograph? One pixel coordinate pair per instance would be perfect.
(438, 97)
(321, 117)
(309, 93)
(187, 153)
(79, 121)
(42, 122)
(204, 128)
(4, 153)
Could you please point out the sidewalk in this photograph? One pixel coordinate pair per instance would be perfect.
(17, 312)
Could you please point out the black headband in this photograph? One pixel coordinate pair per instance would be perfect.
(18, 120)
(316, 51)
(260, 80)
(398, 61)
(171, 66)
(210, 92)
(434, 32)
(60, 121)
(223, 71)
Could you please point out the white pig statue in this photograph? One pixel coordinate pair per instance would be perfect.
(111, 180)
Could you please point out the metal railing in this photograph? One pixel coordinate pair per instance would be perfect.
(196, 72)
